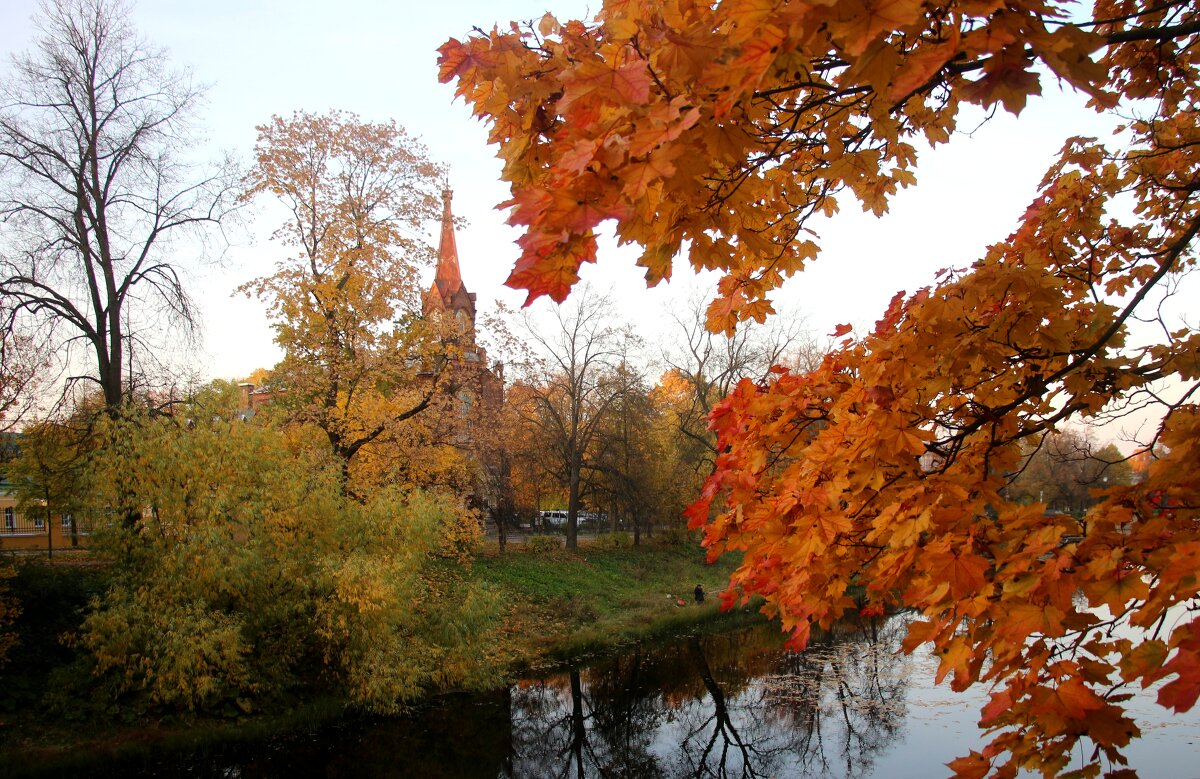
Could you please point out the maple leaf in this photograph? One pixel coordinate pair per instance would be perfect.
(551, 273)
(972, 766)
(864, 20)
(454, 59)
(1144, 662)
(1077, 700)
(640, 175)
(880, 395)
(919, 68)
(1181, 692)
(1009, 78)
(998, 704)
(579, 156)
(955, 655)
(964, 572)
(627, 82)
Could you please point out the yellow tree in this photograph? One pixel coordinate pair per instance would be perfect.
(248, 573)
(359, 360)
(716, 131)
(47, 474)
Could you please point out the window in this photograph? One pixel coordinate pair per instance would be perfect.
(39, 522)
(10, 518)
(67, 521)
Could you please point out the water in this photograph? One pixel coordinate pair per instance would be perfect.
(731, 704)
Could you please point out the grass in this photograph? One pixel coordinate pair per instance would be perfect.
(564, 605)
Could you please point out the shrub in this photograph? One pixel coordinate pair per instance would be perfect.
(616, 540)
(240, 570)
(543, 543)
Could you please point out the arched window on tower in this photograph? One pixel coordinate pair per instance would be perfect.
(465, 402)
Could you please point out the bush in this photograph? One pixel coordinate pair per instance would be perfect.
(615, 540)
(543, 543)
(241, 571)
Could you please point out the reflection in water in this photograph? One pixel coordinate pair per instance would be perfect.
(730, 705)
(726, 705)
(844, 697)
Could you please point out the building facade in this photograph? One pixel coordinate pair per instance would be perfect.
(37, 530)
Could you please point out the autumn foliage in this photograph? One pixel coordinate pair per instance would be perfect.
(359, 361)
(242, 573)
(714, 132)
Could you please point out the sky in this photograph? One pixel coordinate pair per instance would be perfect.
(378, 58)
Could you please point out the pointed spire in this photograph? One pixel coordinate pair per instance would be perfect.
(449, 277)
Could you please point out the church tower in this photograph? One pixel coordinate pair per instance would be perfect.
(447, 294)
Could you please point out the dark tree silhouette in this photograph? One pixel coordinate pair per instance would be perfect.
(93, 187)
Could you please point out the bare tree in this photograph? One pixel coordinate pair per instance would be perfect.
(1064, 470)
(627, 451)
(711, 364)
(22, 371)
(93, 187)
(572, 390)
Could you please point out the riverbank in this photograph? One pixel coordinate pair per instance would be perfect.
(556, 607)
(561, 606)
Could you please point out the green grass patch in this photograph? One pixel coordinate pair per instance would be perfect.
(562, 605)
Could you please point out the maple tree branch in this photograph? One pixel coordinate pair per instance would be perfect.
(1138, 34)
(988, 415)
(1135, 15)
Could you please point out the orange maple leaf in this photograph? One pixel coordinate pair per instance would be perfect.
(865, 20)
(972, 766)
(919, 67)
(627, 83)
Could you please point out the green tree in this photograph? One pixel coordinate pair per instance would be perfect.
(47, 474)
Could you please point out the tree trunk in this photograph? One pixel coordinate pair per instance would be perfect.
(573, 508)
(501, 533)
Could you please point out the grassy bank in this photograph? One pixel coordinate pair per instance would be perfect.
(563, 605)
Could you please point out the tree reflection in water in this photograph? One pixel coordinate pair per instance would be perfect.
(730, 705)
(844, 698)
(725, 705)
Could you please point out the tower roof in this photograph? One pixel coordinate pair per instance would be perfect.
(448, 293)
(449, 278)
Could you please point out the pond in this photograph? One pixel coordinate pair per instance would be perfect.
(731, 704)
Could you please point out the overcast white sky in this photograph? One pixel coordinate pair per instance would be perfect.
(378, 59)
